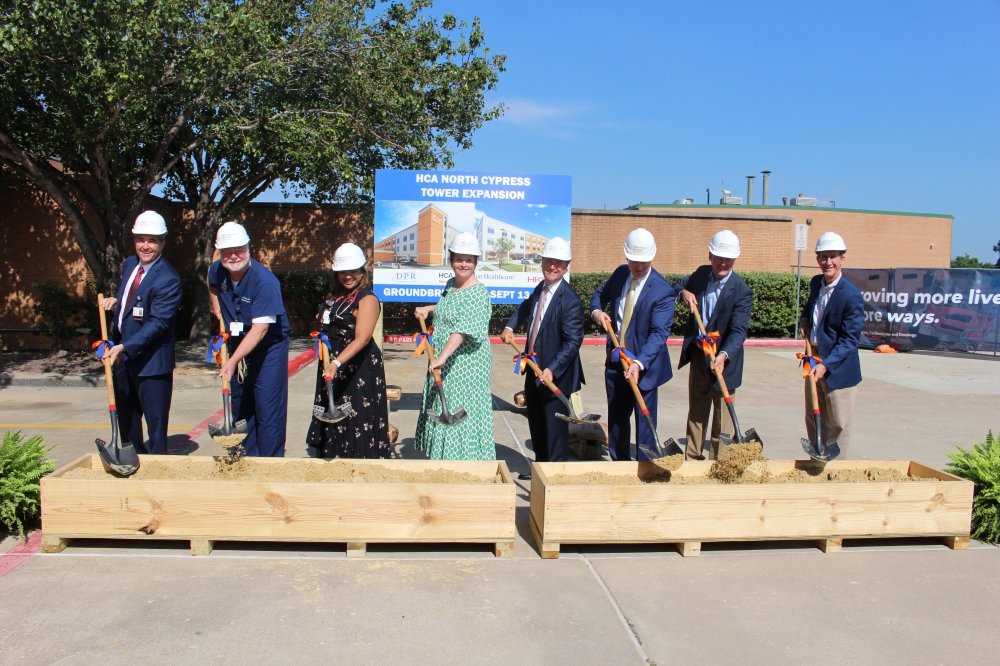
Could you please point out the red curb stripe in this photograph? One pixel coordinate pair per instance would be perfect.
(671, 342)
(20, 553)
(296, 364)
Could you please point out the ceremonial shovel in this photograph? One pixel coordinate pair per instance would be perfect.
(751, 434)
(584, 418)
(331, 414)
(445, 417)
(227, 427)
(817, 450)
(120, 457)
(658, 451)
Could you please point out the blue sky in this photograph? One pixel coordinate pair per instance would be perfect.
(880, 105)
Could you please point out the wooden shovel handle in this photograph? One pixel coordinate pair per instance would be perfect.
(109, 379)
(538, 372)
(632, 382)
(225, 354)
(812, 382)
(711, 354)
(430, 349)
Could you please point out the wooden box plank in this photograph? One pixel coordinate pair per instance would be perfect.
(826, 512)
(210, 510)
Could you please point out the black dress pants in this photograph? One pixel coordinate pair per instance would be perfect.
(549, 435)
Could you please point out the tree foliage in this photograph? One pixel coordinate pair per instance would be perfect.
(965, 261)
(102, 100)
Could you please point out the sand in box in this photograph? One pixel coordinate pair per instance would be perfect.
(291, 471)
(740, 464)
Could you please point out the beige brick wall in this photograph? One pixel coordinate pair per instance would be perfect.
(767, 236)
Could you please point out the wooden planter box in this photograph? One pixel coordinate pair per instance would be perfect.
(690, 514)
(207, 511)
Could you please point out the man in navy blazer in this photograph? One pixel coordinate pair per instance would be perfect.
(145, 309)
(554, 317)
(833, 319)
(642, 314)
(723, 299)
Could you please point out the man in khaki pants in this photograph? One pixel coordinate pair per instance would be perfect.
(723, 299)
(834, 318)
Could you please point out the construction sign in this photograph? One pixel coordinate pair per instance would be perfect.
(930, 308)
(418, 213)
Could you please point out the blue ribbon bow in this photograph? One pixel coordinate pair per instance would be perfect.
(423, 341)
(521, 362)
(321, 338)
(102, 347)
(618, 352)
(215, 347)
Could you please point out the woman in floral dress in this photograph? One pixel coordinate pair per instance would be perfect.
(462, 345)
(348, 319)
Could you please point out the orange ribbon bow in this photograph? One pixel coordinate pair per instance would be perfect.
(708, 342)
(424, 341)
(811, 361)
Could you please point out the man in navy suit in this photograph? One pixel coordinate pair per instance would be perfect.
(642, 314)
(145, 309)
(554, 317)
(833, 320)
(723, 299)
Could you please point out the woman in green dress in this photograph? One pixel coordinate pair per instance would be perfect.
(462, 346)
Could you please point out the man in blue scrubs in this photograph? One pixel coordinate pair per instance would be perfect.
(145, 309)
(248, 296)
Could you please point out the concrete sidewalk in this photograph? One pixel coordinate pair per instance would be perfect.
(885, 602)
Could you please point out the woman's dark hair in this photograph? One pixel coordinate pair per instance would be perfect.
(451, 257)
(338, 290)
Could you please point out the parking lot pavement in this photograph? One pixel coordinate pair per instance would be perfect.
(905, 602)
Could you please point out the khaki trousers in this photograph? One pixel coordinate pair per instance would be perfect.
(836, 412)
(703, 398)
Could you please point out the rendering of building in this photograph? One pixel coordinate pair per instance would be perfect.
(424, 243)
(523, 243)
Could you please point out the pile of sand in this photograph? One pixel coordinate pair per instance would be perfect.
(229, 441)
(741, 463)
(856, 475)
(290, 471)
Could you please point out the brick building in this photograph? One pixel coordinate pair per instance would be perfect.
(37, 245)
(875, 239)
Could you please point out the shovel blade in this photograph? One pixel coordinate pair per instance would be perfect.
(323, 414)
(124, 461)
(584, 418)
(448, 418)
(821, 452)
(669, 448)
(752, 436)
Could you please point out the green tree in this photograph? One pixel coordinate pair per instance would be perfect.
(965, 261)
(503, 246)
(219, 99)
(335, 94)
(996, 248)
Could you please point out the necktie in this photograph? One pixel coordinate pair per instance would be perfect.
(629, 304)
(538, 320)
(135, 286)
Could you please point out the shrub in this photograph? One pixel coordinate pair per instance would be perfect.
(981, 465)
(60, 312)
(302, 292)
(22, 464)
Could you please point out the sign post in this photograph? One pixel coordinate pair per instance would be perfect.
(801, 238)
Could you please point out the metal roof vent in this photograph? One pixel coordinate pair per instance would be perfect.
(729, 200)
(803, 200)
(684, 201)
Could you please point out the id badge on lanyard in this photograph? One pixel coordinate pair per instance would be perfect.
(137, 310)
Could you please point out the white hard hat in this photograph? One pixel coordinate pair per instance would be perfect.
(465, 243)
(830, 242)
(557, 248)
(149, 222)
(231, 234)
(640, 246)
(348, 257)
(725, 244)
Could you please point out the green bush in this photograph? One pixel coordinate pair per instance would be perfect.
(302, 292)
(981, 465)
(60, 312)
(22, 464)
